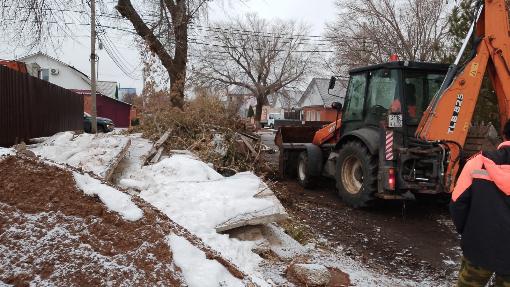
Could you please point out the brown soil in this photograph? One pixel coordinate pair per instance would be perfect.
(414, 242)
(87, 231)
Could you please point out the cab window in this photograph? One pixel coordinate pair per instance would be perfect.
(419, 89)
(382, 96)
(355, 98)
(382, 90)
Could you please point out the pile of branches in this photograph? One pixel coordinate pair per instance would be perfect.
(207, 128)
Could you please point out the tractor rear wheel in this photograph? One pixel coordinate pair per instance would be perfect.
(356, 174)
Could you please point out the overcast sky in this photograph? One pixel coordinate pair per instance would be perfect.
(75, 52)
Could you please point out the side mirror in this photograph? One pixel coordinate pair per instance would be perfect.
(332, 83)
(337, 106)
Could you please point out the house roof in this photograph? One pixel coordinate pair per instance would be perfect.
(327, 96)
(89, 92)
(80, 73)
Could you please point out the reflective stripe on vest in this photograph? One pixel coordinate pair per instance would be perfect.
(481, 174)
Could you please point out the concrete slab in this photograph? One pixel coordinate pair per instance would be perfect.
(99, 154)
(270, 237)
(275, 213)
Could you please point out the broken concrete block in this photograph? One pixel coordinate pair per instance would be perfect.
(270, 237)
(311, 274)
(275, 213)
(99, 153)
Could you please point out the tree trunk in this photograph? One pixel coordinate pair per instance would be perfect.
(177, 71)
(175, 66)
(177, 84)
(258, 111)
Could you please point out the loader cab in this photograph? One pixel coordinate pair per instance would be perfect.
(400, 89)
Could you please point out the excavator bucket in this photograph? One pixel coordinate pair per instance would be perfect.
(480, 137)
(298, 134)
(295, 135)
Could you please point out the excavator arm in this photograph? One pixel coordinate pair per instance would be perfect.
(448, 118)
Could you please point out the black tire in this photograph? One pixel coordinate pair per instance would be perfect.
(356, 174)
(304, 179)
(102, 129)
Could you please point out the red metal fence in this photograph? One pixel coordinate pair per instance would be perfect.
(30, 108)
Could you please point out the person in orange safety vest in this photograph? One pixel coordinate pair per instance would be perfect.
(410, 94)
(480, 209)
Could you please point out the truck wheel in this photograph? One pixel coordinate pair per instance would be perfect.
(356, 174)
(304, 179)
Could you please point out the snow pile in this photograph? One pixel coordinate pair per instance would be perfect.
(113, 199)
(196, 268)
(92, 153)
(198, 198)
(6, 151)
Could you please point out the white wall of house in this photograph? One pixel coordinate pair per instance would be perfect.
(67, 77)
(313, 99)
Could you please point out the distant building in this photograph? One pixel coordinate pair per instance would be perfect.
(317, 99)
(286, 99)
(242, 99)
(108, 88)
(68, 77)
(123, 92)
(119, 112)
(318, 94)
(57, 72)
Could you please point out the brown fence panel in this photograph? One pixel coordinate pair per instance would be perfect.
(30, 108)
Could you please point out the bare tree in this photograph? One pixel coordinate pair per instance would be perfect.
(369, 31)
(34, 23)
(257, 55)
(167, 36)
(161, 24)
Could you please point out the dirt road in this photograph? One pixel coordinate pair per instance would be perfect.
(412, 240)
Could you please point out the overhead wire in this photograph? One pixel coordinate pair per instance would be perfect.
(308, 37)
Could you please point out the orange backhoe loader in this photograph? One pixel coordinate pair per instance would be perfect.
(403, 125)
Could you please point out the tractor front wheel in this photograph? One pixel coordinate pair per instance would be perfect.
(303, 174)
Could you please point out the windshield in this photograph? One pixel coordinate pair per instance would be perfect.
(419, 89)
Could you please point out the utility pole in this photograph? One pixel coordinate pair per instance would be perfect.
(93, 58)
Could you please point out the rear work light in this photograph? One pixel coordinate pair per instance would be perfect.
(391, 178)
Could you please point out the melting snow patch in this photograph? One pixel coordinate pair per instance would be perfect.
(198, 271)
(198, 198)
(113, 199)
(6, 151)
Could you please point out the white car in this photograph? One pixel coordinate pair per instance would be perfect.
(272, 117)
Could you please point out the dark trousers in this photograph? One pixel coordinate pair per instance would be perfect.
(473, 276)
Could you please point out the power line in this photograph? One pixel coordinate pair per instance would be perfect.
(319, 38)
(194, 41)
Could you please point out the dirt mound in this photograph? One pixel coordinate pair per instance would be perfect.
(50, 232)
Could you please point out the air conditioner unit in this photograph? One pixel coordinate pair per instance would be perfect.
(55, 72)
